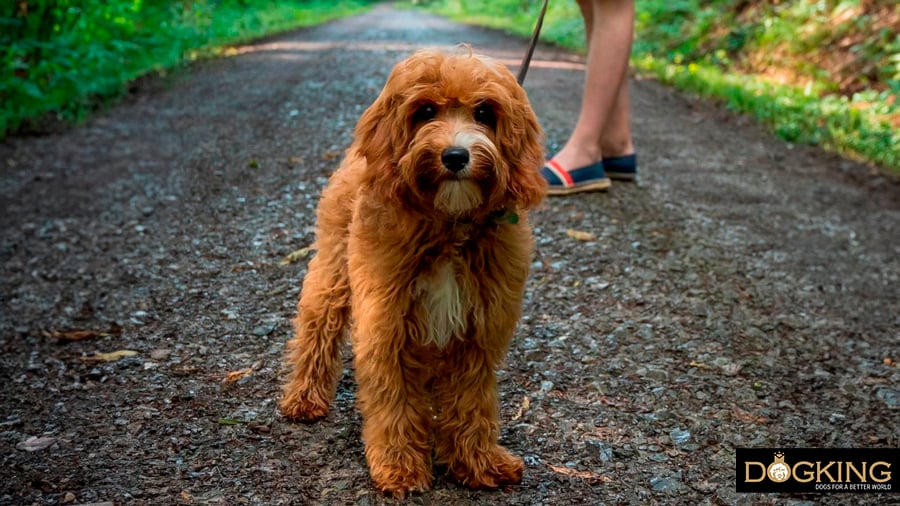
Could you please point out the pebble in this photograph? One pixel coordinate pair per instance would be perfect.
(666, 483)
(546, 386)
(680, 436)
(888, 396)
(601, 450)
(263, 330)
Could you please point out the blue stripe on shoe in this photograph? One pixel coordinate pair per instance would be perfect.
(621, 167)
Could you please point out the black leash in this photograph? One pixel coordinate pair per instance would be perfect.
(534, 39)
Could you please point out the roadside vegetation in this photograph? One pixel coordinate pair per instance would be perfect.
(822, 72)
(62, 58)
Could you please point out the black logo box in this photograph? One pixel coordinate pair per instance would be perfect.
(823, 470)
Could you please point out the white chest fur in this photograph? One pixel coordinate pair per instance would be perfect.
(444, 304)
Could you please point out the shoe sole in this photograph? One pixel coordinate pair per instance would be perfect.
(622, 176)
(594, 186)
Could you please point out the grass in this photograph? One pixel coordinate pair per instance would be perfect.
(821, 72)
(61, 58)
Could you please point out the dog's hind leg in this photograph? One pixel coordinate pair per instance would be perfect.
(314, 354)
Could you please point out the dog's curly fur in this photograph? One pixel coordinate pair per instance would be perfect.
(423, 247)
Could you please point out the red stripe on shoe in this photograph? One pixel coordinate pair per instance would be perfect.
(561, 173)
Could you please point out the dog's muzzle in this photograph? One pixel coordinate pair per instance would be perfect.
(455, 159)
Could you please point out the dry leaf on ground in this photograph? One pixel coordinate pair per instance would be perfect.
(584, 475)
(80, 335)
(526, 403)
(35, 443)
(295, 256)
(109, 357)
(233, 376)
(579, 235)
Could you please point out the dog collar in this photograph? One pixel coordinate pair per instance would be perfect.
(495, 218)
(505, 216)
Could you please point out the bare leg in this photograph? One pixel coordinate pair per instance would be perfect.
(603, 126)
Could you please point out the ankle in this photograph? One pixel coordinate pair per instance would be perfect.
(619, 147)
(575, 154)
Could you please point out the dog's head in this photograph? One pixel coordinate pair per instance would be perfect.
(453, 135)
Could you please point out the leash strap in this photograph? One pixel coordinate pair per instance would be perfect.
(534, 39)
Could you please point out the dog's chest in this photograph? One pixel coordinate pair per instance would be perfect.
(445, 305)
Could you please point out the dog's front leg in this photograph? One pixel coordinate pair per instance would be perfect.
(392, 372)
(467, 426)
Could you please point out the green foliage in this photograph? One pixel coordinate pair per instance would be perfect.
(64, 56)
(841, 59)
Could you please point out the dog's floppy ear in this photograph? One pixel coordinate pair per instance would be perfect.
(378, 135)
(373, 132)
(522, 144)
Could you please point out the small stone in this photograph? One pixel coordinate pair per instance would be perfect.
(601, 450)
(680, 436)
(263, 330)
(546, 386)
(888, 396)
(654, 374)
(666, 484)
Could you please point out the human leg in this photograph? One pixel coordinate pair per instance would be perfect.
(603, 125)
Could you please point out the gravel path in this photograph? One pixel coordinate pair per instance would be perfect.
(743, 294)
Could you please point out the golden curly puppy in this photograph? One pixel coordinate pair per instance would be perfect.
(423, 249)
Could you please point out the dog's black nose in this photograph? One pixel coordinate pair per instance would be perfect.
(455, 159)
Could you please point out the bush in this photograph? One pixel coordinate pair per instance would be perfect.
(837, 62)
(63, 57)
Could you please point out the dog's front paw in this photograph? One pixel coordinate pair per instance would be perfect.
(402, 482)
(489, 471)
(300, 407)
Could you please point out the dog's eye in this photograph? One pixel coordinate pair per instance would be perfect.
(484, 114)
(424, 112)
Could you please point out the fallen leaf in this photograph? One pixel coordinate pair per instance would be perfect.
(584, 475)
(744, 416)
(259, 427)
(229, 421)
(80, 335)
(698, 365)
(608, 401)
(109, 357)
(160, 353)
(295, 256)
(233, 376)
(35, 443)
(580, 236)
(526, 403)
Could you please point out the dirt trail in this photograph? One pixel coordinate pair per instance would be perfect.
(743, 294)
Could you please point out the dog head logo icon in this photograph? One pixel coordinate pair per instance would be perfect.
(778, 471)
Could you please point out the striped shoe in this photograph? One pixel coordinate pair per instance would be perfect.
(622, 168)
(566, 182)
